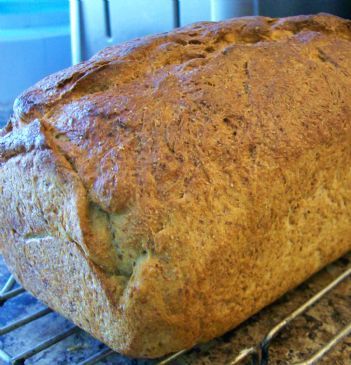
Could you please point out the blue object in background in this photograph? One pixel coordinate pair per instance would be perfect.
(34, 42)
(194, 11)
(96, 24)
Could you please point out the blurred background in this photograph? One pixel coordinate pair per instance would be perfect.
(39, 37)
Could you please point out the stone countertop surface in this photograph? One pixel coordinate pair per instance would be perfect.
(304, 336)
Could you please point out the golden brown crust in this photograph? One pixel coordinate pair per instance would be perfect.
(180, 182)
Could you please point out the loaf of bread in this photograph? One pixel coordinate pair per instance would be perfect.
(170, 187)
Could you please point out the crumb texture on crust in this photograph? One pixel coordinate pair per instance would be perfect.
(176, 184)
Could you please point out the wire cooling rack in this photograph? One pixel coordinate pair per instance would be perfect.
(258, 354)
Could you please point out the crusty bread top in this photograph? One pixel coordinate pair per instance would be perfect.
(167, 118)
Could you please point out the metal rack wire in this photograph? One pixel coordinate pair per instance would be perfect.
(258, 354)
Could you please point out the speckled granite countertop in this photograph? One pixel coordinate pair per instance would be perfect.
(304, 336)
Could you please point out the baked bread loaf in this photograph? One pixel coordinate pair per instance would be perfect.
(170, 187)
